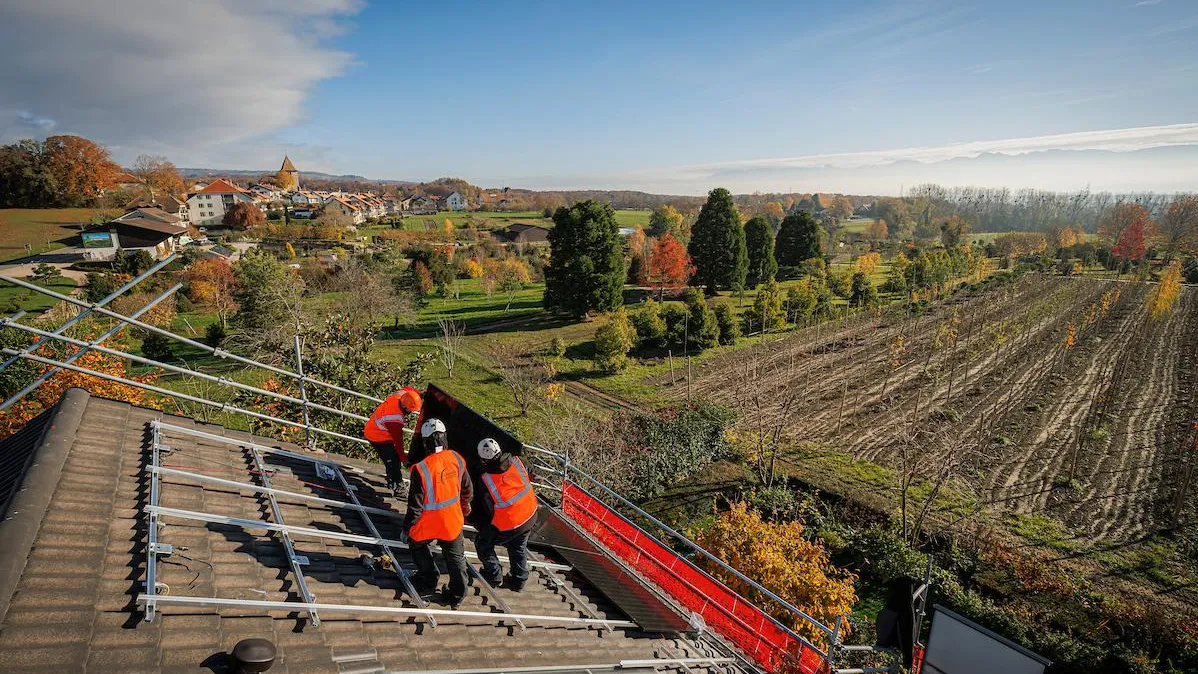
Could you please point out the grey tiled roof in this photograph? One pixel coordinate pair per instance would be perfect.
(74, 545)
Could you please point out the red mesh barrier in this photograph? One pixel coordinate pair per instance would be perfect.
(724, 611)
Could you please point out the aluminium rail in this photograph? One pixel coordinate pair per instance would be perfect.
(288, 545)
(59, 334)
(219, 353)
(291, 606)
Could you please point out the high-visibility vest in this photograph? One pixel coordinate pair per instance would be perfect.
(441, 476)
(511, 490)
(388, 411)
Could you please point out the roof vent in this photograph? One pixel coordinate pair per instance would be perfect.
(253, 655)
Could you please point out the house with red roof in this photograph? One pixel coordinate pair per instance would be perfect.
(207, 206)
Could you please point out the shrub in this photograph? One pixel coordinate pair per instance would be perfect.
(767, 313)
(613, 341)
(156, 346)
(100, 285)
(840, 283)
(725, 318)
(557, 347)
(649, 324)
(862, 291)
(702, 330)
(675, 318)
(214, 334)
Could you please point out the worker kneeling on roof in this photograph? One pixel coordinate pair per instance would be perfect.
(507, 493)
(384, 432)
(438, 501)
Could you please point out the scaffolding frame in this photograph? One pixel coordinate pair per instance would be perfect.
(151, 600)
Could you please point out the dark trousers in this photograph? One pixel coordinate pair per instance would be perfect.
(516, 542)
(452, 552)
(390, 459)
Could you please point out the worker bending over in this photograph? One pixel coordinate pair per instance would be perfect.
(384, 432)
(507, 493)
(438, 501)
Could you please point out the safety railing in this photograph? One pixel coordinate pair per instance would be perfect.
(552, 470)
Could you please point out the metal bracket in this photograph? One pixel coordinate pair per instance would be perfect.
(325, 471)
(162, 549)
(302, 560)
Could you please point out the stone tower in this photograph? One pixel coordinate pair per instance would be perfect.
(290, 170)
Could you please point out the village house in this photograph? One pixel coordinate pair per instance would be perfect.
(149, 229)
(421, 206)
(347, 206)
(270, 193)
(454, 201)
(520, 232)
(208, 205)
(166, 202)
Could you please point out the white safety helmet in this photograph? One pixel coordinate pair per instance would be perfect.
(488, 449)
(431, 426)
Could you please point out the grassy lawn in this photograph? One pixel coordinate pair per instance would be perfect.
(43, 229)
(14, 298)
(631, 218)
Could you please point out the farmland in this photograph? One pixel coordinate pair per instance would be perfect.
(43, 229)
(1048, 396)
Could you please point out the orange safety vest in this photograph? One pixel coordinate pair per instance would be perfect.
(388, 411)
(511, 490)
(441, 476)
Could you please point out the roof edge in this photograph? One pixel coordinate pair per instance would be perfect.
(29, 506)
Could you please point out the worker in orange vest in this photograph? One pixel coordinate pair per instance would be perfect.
(506, 492)
(438, 503)
(384, 432)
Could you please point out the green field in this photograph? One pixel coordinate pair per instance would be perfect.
(43, 229)
(14, 298)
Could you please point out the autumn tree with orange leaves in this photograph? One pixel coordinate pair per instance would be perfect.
(158, 175)
(669, 264)
(211, 282)
(777, 556)
(82, 170)
(1179, 226)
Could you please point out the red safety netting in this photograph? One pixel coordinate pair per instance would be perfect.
(726, 612)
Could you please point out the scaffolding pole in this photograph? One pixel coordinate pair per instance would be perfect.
(88, 308)
(176, 394)
(95, 346)
(219, 353)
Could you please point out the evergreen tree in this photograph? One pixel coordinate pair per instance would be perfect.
(717, 245)
(586, 261)
(798, 239)
(613, 341)
(759, 243)
(725, 318)
(702, 330)
(863, 293)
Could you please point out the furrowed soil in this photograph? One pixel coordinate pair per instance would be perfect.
(1049, 395)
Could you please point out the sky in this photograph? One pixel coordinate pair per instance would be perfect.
(668, 97)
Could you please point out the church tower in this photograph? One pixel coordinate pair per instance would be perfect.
(292, 172)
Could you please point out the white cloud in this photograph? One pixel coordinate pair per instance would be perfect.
(1112, 140)
(1146, 3)
(163, 75)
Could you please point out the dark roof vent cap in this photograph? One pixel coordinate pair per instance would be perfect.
(253, 655)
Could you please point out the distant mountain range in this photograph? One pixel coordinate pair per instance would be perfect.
(244, 173)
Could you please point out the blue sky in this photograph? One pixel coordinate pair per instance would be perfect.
(659, 96)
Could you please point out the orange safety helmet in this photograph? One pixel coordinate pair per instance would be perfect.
(409, 399)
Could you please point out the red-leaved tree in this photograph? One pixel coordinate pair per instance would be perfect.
(1128, 225)
(669, 264)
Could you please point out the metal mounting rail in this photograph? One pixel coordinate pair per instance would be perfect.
(242, 486)
(308, 531)
(292, 455)
(395, 566)
(95, 346)
(600, 667)
(58, 334)
(288, 546)
(219, 353)
(494, 596)
(291, 606)
(152, 527)
(177, 394)
(580, 605)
